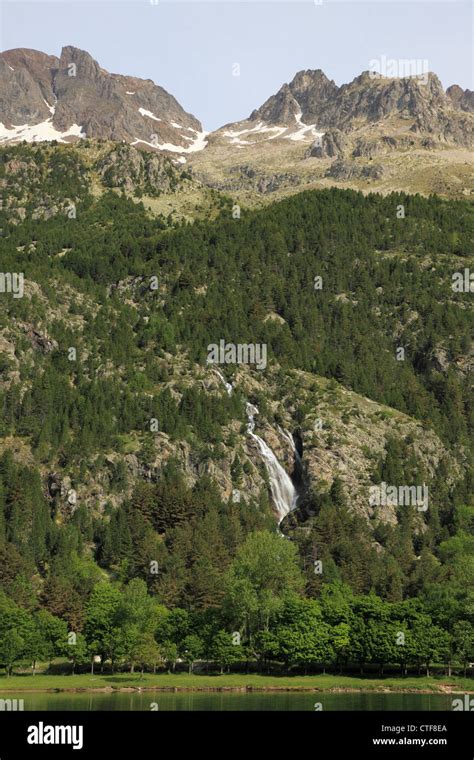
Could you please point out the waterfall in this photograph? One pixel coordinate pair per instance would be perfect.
(282, 488)
(291, 441)
(228, 386)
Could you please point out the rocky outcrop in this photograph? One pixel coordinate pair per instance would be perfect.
(366, 147)
(347, 170)
(39, 341)
(373, 99)
(307, 94)
(462, 99)
(443, 128)
(246, 177)
(130, 169)
(61, 491)
(330, 145)
(278, 109)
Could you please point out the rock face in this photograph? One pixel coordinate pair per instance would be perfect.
(366, 147)
(312, 102)
(307, 94)
(246, 177)
(25, 84)
(420, 137)
(366, 99)
(373, 99)
(330, 145)
(72, 96)
(278, 109)
(442, 128)
(462, 99)
(131, 169)
(346, 170)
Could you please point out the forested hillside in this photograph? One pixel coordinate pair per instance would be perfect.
(121, 451)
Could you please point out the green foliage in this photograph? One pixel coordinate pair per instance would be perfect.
(222, 569)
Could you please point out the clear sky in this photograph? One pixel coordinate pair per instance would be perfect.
(191, 48)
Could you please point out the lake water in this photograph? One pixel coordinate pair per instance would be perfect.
(213, 701)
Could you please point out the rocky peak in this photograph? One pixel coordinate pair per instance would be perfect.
(367, 99)
(25, 85)
(370, 98)
(38, 64)
(106, 108)
(86, 67)
(74, 96)
(281, 108)
(303, 97)
(312, 90)
(462, 99)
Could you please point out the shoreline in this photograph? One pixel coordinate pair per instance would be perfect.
(221, 683)
(441, 689)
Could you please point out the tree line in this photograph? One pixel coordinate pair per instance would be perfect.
(263, 621)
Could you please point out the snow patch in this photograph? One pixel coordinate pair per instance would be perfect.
(279, 133)
(260, 128)
(298, 118)
(304, 131)
(240, 143)
(51, 109)
(43, 132)
(199, 143)
(151, 115)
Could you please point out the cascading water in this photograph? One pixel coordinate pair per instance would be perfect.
(228, 386)
(291, 441)
(283, 491)
(281, 486)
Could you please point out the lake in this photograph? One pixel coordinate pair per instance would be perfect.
(221, 701)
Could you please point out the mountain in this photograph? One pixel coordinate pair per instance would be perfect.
(43, 98)
(312, 102)
(156, 502)
(121, 445)
(373, 133)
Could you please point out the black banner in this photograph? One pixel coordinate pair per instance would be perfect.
(135, 734)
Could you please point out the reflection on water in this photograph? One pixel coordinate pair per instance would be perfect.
(212, 701)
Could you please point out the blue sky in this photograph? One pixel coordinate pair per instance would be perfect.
(190, 48)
